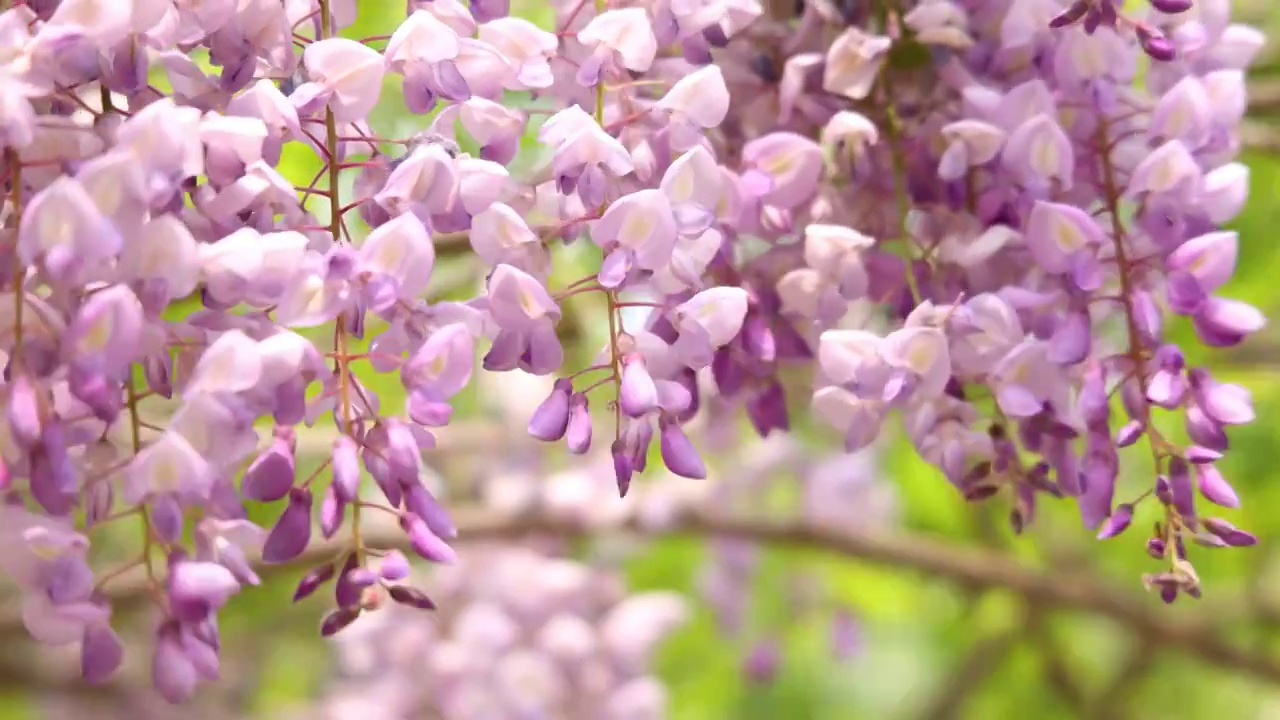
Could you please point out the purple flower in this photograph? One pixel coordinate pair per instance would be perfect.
(292, 532)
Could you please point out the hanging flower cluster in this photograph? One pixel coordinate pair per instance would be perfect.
(1022, 193)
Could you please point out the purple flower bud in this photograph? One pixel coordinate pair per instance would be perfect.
(1118, 522)
(1214, 487)
(157, 371)
(393, 566)
(1230, 534)
(425, 542)
(337, 620)
(1130, 433)
(173, 674)
(768, 410)
(332, 512)
(101, 653)
(578, 433)
(1204, 430)
(1172, 7)
(1156, 45)
(1197, 455)
(352, 582)
(1156, 548)
(551, 419)
(637, 395)
(1072, 15)
(23, 411)
(425, 409)
(401, 452)
(167, 517)
(313, 580)
(1181, 493)
(411, 597)
(761, 664)
(622, 467)
(271, 475)
(846, 636)
(419, 501)
(292, 532)
(345, 463)
(678, 453)
(198, 588)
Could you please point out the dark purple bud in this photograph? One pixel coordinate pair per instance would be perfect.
(768, 410)
(425, 542)
(622, 468)
(335, 621)
(1172, 7)
(1118, 522)
(980, 492)
(412, 597)
(1156, 45)
(352, 582)
(678, 453)
(292, 532)
(271, 475)
(313, 580)
(1156, 548)
(758, 339)
(1230, 534)
(1071, 15)
(551, 419)
(578, 433)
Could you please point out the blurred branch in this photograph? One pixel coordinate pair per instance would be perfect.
(979, 664)
(1057, 672)
(939, 558)
(1110, 703)
(1259, 137)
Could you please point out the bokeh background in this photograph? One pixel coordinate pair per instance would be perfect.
(923, 646)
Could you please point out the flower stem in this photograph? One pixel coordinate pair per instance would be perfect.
(1124, 268)
(135, 436)
(894, 136)
(611, 296)
(19, 272)
(335, 231)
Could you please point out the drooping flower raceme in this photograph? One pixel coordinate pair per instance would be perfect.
(990, 249)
